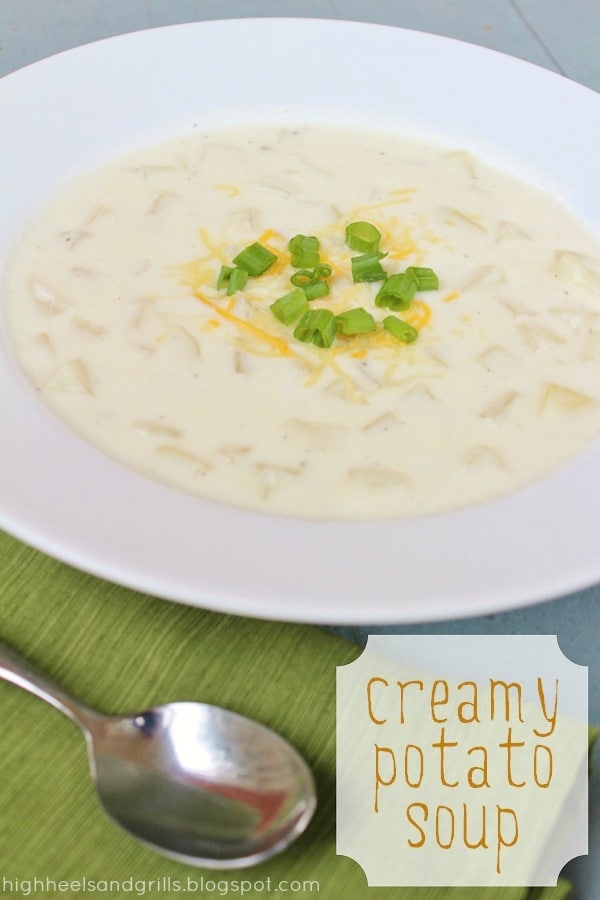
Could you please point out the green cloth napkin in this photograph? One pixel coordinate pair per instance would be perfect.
(122, 651)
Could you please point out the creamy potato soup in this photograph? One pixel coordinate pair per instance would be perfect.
(117, 320)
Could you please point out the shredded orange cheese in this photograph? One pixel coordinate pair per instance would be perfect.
(268, 235)
(451, 296)
(276, 342)
(282, 261)
(216, 250)
(403, 249)
(396, 234)
(418, 315)
(401, 196)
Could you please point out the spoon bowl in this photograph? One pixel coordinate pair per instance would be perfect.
(195, 782)
(202, 784)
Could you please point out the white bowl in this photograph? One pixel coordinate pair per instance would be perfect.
(79, 109)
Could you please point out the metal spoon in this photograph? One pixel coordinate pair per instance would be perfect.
(198, 783)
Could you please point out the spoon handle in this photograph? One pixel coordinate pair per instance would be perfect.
(19, 671)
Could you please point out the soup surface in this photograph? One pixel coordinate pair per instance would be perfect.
(117, 320)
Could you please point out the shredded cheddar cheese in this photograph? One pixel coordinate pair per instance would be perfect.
(262, 335)
(265, 337)
(268, 235)
(217, 251)
(403, 196)
(418, 314)
(451, 296)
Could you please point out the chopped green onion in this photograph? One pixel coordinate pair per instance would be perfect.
(311, 276)
(322, 271)
(305, 251)
(307, 277)
(237, 280)
(302, 243)
(305, 260)
(368, 267)
(315, 289)
(402, 331)
(224, 275)
(356, 321)
(255, 259)
(317, 326)
(397, 291)
(289, 307)
(302, 277)
(426, 279)
(362, 236)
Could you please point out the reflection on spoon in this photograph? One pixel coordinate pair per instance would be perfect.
(195, 782)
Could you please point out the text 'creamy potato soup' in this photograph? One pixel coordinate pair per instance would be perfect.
(144, 307)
